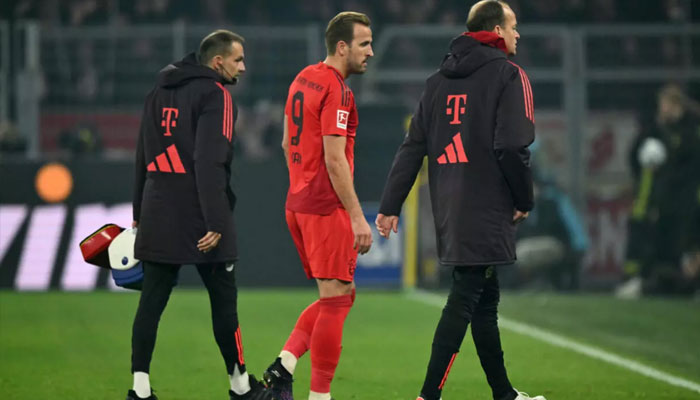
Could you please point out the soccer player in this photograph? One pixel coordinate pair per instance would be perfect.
(475, 122)
(322, 210)
(183, 203)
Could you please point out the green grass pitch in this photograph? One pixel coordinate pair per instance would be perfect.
(77, 346)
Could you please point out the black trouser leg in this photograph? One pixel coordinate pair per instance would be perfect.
(467, 285)
(158, 280)
(487, 340)
(223, 297)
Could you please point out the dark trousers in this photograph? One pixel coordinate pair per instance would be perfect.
(158, 282)
(473, 298)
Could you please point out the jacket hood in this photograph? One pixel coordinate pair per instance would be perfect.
(185, 70)
(469, 51)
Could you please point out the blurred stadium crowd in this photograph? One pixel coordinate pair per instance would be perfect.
(100, 12)
(82, 70)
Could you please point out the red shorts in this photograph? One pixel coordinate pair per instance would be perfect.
(324, 243)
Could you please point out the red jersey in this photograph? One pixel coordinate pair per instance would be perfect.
(319, 103)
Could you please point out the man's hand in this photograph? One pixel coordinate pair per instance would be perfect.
(363, 234)
(386, 224)
(208, 241)
(519, 216)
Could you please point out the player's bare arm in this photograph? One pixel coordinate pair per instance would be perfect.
(341, 179)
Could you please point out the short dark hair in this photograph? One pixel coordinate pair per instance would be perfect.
(486, 15)
(342, 27)
(217, 43)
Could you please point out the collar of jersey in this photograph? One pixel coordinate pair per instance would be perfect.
(332, 68)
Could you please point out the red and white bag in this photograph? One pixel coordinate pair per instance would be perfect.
(95, 246)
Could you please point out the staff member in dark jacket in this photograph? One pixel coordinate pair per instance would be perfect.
(475, 121)
(183, 204)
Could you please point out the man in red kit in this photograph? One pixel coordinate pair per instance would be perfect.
(323, 213)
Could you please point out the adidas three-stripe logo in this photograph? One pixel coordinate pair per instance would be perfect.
(454, 152)
(527, 93)
(164, 165)
(228, 113)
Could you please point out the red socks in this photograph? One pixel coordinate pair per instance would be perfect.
(300, 338)
(326, 340)
(320, 328)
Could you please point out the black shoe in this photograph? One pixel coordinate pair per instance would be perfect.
(257, 391)
(131, 395)
(279, 381)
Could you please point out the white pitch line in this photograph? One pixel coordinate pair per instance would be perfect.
(566, 343)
